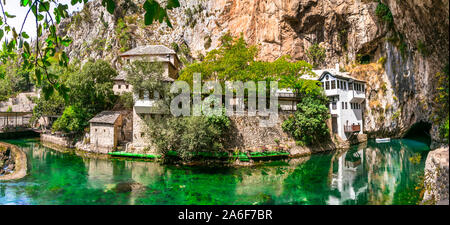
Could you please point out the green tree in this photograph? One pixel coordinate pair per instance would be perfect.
(90, 93)
(187, 135)
(48, 14)
(308, 124)
(236, 60)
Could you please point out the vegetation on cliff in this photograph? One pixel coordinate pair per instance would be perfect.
(441, 112)
(235, 60)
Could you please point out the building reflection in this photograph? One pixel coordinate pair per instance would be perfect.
(369, 175)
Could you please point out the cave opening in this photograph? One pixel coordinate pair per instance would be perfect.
(365, 59)
(419, 131)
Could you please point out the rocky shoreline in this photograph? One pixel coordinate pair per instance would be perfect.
(436, 177)
(13, 162)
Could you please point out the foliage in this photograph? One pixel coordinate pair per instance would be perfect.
(384, 13)
(316, 55)
(125, 101)
(15, 79)
(73, 119)
(123, 34)
(48, 15)
(187, 135)
(235, 60)
(48, 107)
(90, 93)
(422, 48)
(308, 125)
(441, 100)
(144, 75)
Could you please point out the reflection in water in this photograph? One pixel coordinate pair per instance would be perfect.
(365, 174)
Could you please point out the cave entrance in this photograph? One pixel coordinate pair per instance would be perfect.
(419, 131)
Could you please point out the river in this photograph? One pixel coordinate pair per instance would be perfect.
(370, 173)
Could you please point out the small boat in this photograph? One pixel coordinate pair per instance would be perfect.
(382, 140)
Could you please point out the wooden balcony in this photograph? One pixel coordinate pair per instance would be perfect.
(352, 128)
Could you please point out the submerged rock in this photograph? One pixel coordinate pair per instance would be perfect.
(125, 187)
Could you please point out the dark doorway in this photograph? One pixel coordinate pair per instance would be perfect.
(334, 126)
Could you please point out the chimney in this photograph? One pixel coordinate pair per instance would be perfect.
(337, 67)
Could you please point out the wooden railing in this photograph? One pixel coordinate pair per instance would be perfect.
(352, 128)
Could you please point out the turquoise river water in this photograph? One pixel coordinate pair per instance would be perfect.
(369, 173)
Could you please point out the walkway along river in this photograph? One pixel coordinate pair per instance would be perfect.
(370, 173)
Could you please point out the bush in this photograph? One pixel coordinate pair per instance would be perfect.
(316, 54)
(73, 119)
(187, 135)
(384, 13)
(308, 124)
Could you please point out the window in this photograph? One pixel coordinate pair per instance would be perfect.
(95, 129)
(346, 106)
(333, 84)
(338, 84)
(119, 86)
(342, 105)
(362, 87)
(126, 86)
(327, 85)
(350, 86)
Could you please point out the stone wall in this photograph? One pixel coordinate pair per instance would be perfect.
(246, 134)
(436, 177)
(15, 161)
(58, 140)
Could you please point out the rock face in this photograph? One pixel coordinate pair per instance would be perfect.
(436, 177)
(401, 82)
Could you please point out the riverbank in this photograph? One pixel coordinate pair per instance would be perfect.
(234, 157)
(15, 160)
(436, 180)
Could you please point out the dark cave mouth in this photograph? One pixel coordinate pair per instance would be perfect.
(419, 131)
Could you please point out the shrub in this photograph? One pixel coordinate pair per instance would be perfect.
(316, 54)
(73, 119)
(187, 135)
(384, 13)
(308, 124)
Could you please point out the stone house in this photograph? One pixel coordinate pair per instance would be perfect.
(106, 131)
(145, 102)
(120, 85)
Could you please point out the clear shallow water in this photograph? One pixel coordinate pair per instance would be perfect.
(366, 174)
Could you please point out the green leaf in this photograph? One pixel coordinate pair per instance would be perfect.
(9, 15)
(38, 75)
(110, 5)
(66, 42)
(1, 34)
(171, 4)
(25, 2)
(25, 35)
(44, 7)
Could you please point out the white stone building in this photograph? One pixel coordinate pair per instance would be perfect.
(106, 131)
(347, 96)
(145, 102)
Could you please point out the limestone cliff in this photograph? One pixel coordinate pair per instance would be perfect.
(403, 56)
